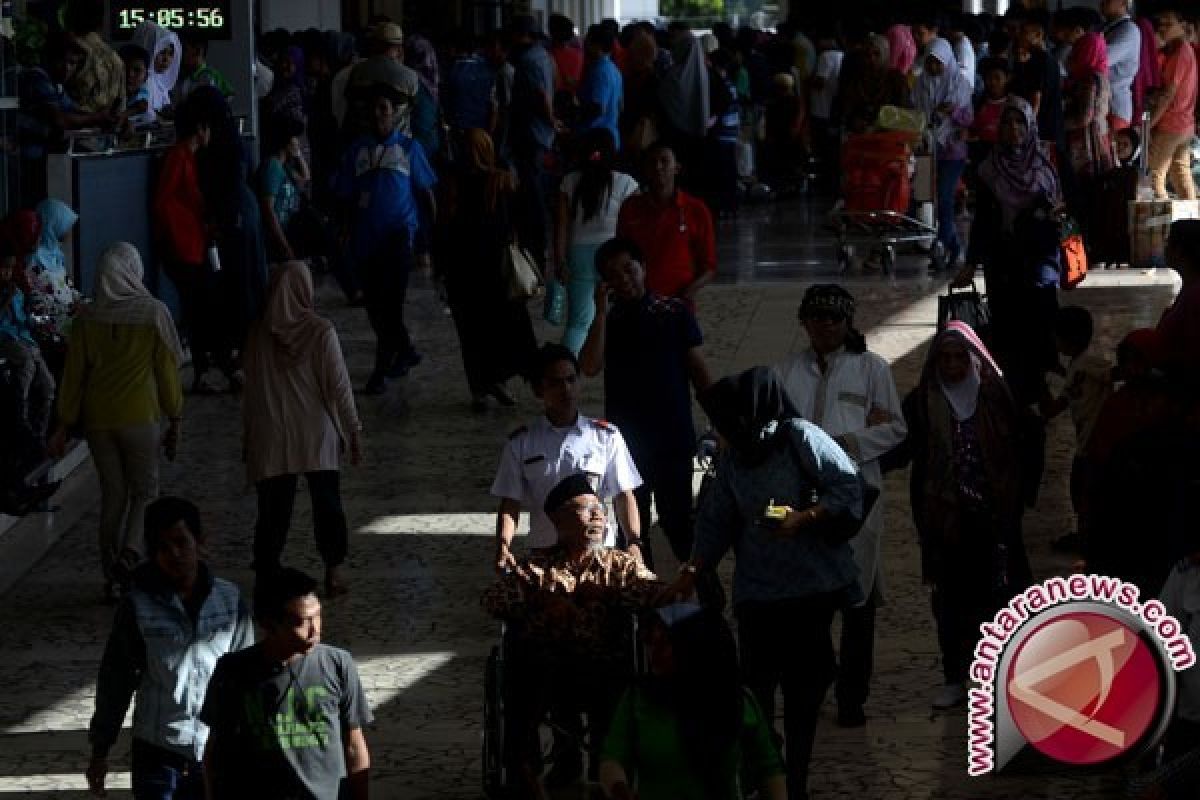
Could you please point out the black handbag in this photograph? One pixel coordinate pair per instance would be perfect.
(967, 306)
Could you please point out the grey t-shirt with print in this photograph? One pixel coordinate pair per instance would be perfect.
(279, 728)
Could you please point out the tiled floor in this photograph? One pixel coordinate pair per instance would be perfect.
(419, 553)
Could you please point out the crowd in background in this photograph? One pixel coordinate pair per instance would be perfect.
(604, 162)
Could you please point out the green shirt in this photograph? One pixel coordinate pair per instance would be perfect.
(644, 738)
(117, 376)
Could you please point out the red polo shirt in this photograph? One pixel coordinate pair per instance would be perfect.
(676, 240)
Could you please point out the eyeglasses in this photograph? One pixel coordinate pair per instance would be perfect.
(589, 510)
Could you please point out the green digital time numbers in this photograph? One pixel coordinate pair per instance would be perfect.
(208, 19)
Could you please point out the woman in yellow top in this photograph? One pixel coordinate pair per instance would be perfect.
(121, 379)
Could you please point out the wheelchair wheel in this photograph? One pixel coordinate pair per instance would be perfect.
(493, 726)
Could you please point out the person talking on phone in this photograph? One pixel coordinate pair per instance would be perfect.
(649, 349)
(120, 380)
(781, 485)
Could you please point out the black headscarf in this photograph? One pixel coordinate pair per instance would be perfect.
(742, 408)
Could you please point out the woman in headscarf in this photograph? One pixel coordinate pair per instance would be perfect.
(966, 495)
(690, 730)
(166, 54)
(943, 95)
(868, 83)
(299, 419)
(1014, 236)
(421, 57)
(471, 246)
(903, 49)
(121, 379)
(1090, 151)
(683, 97)
(781, 484)
(50, 292)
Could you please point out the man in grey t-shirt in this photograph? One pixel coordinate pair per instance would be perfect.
(286, 716)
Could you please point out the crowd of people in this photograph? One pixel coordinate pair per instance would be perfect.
(605, 162)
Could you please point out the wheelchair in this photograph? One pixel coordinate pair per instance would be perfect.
(496, 780)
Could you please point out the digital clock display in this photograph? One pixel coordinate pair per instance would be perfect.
(209, 18)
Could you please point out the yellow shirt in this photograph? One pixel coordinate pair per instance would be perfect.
(117, 376)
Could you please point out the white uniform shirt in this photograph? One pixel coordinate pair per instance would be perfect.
(839, 401)
(538, 457)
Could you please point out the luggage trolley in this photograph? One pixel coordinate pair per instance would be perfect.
(881, 179)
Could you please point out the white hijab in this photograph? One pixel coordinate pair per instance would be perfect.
(963, 396)
(949, 87)
(154, 39)
(122, 298)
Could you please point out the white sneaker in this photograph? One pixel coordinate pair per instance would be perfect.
(950, 696)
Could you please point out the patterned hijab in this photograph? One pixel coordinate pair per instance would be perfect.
(57, 218)
(1021, 175)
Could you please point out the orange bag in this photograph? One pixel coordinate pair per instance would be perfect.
(1074, 261)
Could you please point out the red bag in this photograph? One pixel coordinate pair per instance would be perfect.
(875, 172)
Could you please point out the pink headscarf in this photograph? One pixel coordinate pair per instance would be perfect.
(1089, 56)
(904, 48)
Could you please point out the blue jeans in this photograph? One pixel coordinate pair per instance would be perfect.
(581, 294)
(159, 774)
(948, 174)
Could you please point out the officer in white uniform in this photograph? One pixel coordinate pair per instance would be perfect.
(560, 443)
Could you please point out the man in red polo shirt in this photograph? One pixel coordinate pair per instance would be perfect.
(673, 230)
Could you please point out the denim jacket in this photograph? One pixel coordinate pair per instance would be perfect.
(769, 567)
(164, 655)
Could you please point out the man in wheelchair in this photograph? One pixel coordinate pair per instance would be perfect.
(568, 642)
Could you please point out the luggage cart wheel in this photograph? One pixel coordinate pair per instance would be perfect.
(845, 253)
(888, 259)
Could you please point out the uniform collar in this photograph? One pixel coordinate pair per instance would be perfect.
(580, 421)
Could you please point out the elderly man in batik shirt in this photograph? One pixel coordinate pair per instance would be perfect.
(569, 636)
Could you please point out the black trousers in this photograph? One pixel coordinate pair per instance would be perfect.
(533, 206)
(277, 496)
(539, 682)
(787, 644)
(200, 302)
(668, 482)
(385, 287)
(856, 655)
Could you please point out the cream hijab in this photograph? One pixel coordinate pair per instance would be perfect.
(122, 298)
